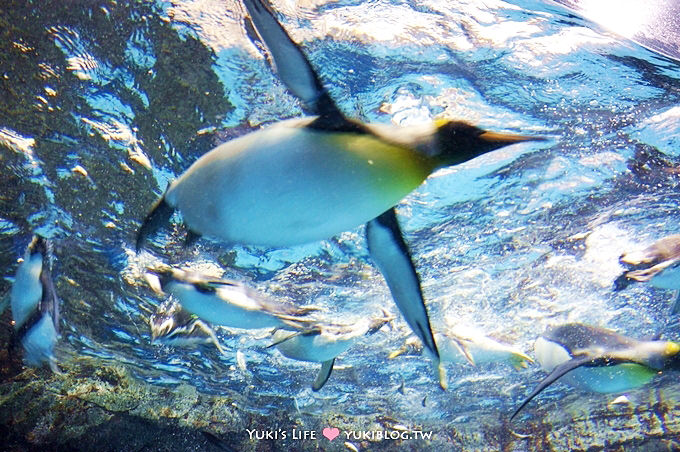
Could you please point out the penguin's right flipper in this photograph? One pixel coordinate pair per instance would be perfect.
(557, 373)
(292, 65)
(390, 253)
(158, 217)
(324, 374)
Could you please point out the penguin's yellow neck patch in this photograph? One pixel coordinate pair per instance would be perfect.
(383, 156)
(672, 348)
(441, 122)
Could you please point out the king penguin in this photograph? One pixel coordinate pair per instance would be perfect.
(462, 344)
(600, 360)
(323, 342)
(308, 179)
(225, 302)
(172, 325)
(35, 305)
(658, 264)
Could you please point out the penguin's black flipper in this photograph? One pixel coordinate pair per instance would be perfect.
(292, 65)
(557, 373)
(158, 217)
(324, 374)
(390, 253)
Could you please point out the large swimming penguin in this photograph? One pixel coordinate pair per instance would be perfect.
(227, 303)
(600, 360)
(658, 264)
(35, 305)
(308, 179)
(173, 325)
(323, 342)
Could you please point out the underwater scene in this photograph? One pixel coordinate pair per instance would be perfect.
(339, 225)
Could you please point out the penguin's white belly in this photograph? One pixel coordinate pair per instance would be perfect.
(27, 290)
(482, 349)
(39, 342)
(288, 185)
(318, 348)
(211, 308)
(609, 379)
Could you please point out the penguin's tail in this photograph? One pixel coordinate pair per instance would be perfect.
(157, 218)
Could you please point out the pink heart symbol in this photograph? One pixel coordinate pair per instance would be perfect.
(330, 433)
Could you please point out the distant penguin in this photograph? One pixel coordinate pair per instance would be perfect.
(35, 305)
(600, 360)
(323, 342)
(227, 303)
(462, 343)
(308, 179)
(172, 325)
(658, 264)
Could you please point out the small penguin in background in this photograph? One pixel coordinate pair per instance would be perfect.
(225, 302)
(172, 325)
(323, 342)
(461, 343)
(600, 360)
(35, 306)
(658, 264)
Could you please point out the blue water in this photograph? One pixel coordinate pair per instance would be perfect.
(108, 104)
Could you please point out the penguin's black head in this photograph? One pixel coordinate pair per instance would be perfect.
(459, 141)
(672, 356)
(40, 245)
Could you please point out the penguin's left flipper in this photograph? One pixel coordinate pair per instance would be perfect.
(390, 253)
(324, 374)
(561, 370)
(294, 69)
